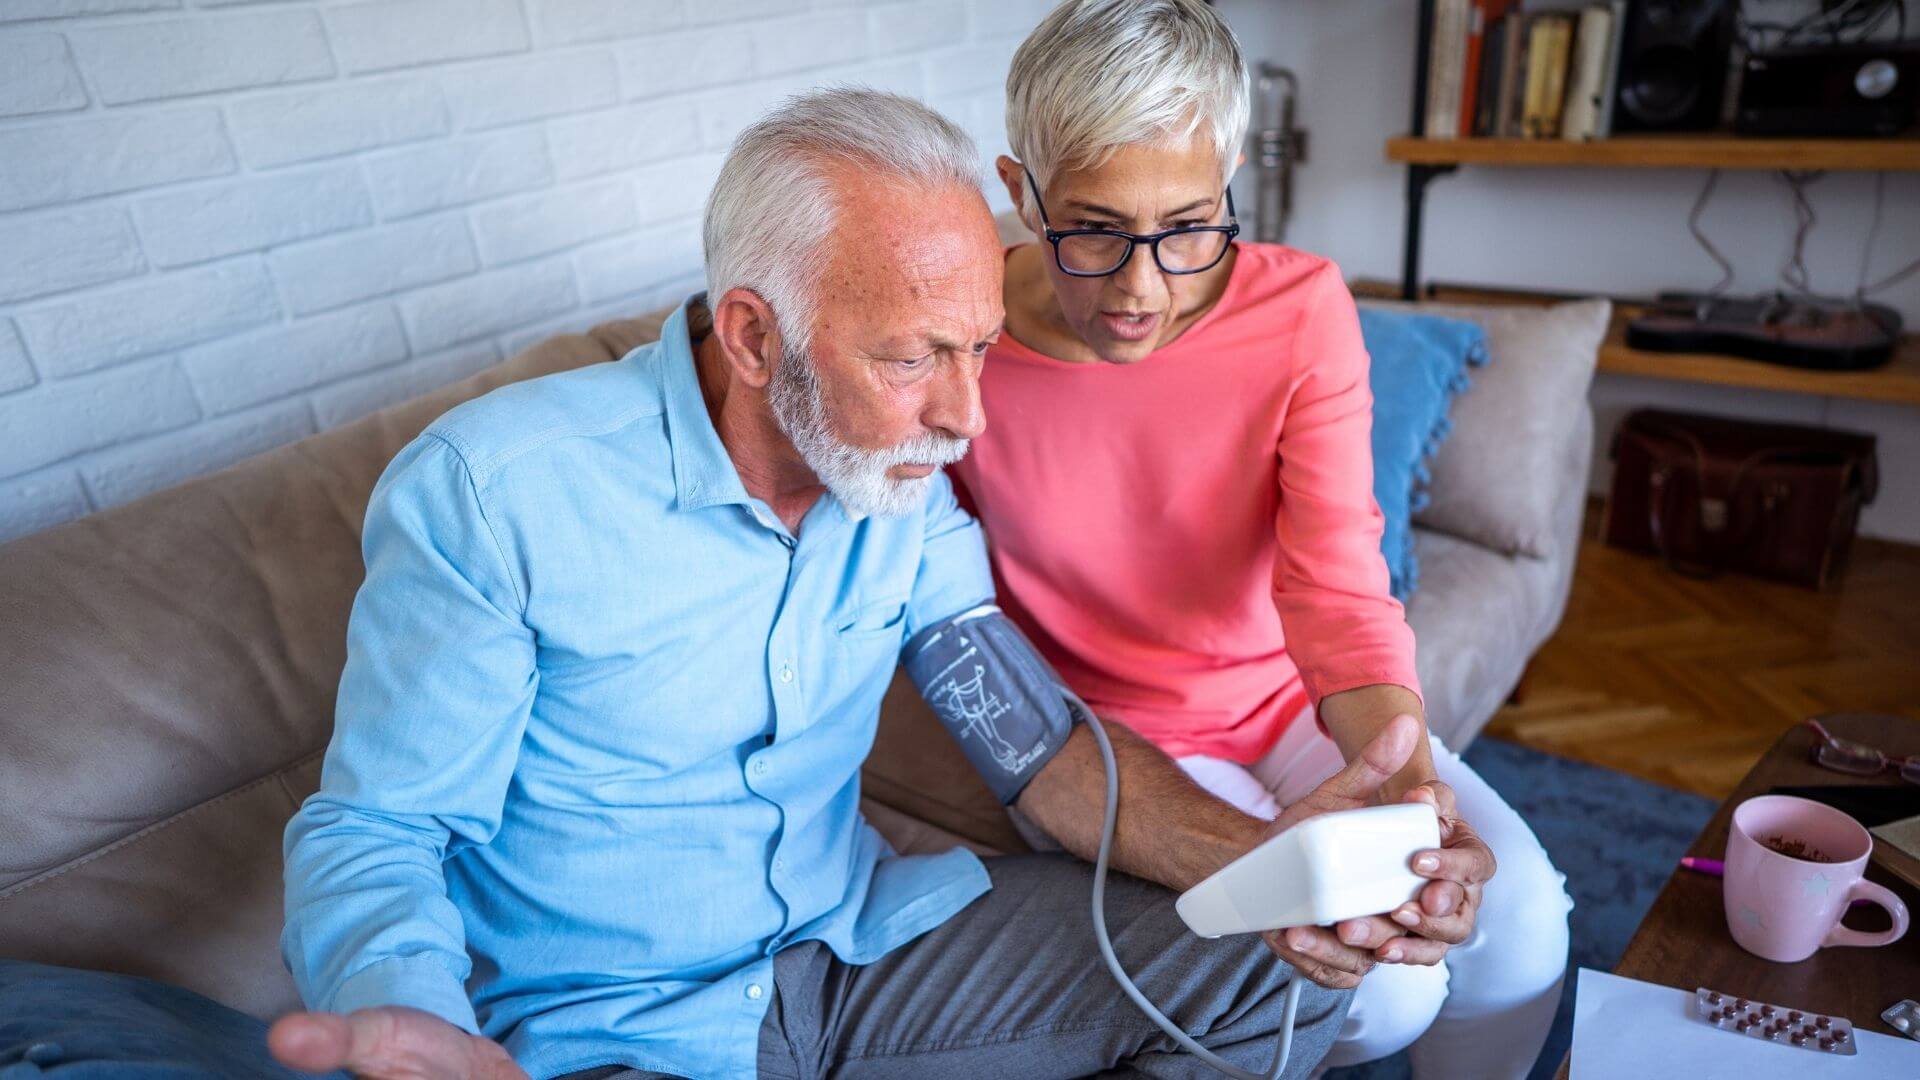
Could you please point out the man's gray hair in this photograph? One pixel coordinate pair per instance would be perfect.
(771, 210)
(1097, 75)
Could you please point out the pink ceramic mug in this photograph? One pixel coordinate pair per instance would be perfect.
(1782, 907)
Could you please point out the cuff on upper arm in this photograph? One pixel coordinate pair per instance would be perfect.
(418, 982)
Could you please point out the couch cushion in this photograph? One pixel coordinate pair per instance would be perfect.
(1497, 480)
(1480, 614)
(1473, 620)
(170, 668)
(193, 900)
(166, 651)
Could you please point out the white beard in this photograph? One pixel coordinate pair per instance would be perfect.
(857, 477)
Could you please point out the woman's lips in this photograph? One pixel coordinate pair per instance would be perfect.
(1129, 327)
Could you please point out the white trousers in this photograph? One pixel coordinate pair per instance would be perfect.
(1482, 1013)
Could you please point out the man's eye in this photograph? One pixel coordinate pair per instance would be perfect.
(916, 363)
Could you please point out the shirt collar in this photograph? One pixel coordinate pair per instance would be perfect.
(703, 473)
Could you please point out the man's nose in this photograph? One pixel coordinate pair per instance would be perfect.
(954, 407)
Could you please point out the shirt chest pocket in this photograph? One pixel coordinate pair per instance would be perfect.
(877, 619)
(866, 641)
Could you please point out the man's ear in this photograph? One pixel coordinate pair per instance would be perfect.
(1014, 175)
(748, 336)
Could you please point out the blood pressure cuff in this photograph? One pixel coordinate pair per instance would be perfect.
(990, 687)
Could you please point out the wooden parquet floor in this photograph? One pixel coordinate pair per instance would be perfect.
(1687, 682)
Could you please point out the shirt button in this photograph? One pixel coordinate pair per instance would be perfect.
(779, 864)
(754, 992)
(786, 673)
(759, 767)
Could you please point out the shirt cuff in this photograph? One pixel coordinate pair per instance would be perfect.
(414, 981)
(1323, 686)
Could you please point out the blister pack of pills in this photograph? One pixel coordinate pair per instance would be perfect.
(1775, 1023)
(1904, 1017)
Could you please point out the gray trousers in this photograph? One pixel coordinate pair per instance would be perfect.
(1014, 986)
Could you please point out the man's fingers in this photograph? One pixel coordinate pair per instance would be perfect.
(1383, 756)
(389, 1043)
(1331, 978)
(1307, 967)
(310, 1042)
(1366, 933)
(1321, 945)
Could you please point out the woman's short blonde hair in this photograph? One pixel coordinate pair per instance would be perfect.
(1097, 75)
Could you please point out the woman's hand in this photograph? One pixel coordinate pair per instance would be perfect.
(1339, 960)
(1443, 914)
(389, 1043)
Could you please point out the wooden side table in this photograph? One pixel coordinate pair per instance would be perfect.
(1683, 941)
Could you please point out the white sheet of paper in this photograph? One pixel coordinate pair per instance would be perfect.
(1628, 1028)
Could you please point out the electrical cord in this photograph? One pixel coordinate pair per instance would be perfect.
(1865, 288)
(1291, 1004)
(1793, 271)
(1832, 18)
(1700, 236)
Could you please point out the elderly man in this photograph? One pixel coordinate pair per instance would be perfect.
(591, 805)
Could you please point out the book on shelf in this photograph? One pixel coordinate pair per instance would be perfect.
(1586, 75)
(1482, 18)
(1610, 85)
(1514, 69)
(1486, 98)
(1446, 67)
(1549, 38)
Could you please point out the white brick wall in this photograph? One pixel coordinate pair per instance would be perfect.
(225, 226)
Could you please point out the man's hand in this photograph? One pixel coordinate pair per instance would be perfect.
(391, 1043)
(1339, 960)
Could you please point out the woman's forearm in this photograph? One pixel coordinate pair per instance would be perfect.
(1354, 716)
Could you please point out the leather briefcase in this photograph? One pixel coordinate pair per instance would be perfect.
(1710, 494)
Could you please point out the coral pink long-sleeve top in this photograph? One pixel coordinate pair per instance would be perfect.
(1192, 540)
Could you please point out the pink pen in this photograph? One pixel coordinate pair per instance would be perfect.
(1716, 868)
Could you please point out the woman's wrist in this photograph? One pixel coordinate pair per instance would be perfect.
(1416, 773)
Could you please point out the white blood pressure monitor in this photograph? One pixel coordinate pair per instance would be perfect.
(1342, 865)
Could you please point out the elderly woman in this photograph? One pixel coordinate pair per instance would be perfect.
(1176, 483)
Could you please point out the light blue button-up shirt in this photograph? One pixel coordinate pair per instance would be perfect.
(597, 748)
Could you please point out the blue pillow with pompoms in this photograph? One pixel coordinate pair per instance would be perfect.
(1419, 362)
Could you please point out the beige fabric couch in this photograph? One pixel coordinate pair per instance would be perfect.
(167, 681)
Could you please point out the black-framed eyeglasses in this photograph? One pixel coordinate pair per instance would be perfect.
(1186, 249)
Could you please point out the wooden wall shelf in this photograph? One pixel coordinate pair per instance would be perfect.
(1680, 151)
(1898, 382)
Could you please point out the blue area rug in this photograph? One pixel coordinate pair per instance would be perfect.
(1617, 838)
